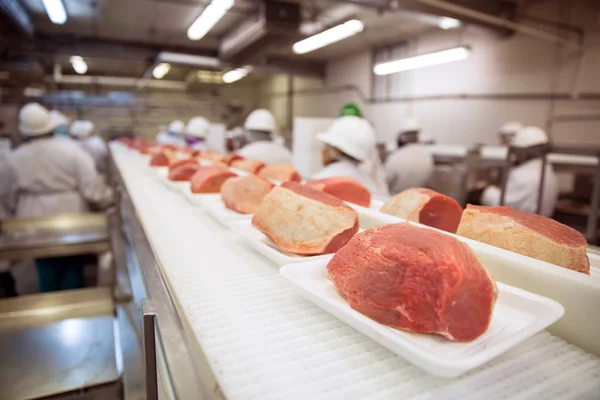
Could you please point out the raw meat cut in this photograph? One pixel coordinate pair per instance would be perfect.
(210, 155)
(305, 221)
(232, 157)
(281, 172)
(416, 279)
(163, 157)
(183, 170)
(209, 179)
(246, 164)
(243, 194)
(347, 189)
(531, 235)
(425, 206)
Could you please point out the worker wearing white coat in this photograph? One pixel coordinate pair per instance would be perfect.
(349, 150)
(411, 165)
(173, 135)
(524, 178)
(196, 132)
(53, 176)
(94, 145)
(260, 128)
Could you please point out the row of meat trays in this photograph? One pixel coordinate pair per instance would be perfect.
(517, 314)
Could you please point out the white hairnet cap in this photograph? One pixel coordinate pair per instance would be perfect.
(176, 127)
(260, 120)
(198, 127)
(510, 128)
(528, 137)
(411, 124)
(36, 120)
(81, 129)
(351, 135)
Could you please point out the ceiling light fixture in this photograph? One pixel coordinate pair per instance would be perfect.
(449, 23)
(234, 75)
(56, 11)
(161, 70)
(209, 18)
(325, 38)
(79, 64)
(422, 61)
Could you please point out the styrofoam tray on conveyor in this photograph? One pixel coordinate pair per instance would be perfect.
(215, 207)
(517, 316)
(575, 291)
(265, 246)
(264, 341)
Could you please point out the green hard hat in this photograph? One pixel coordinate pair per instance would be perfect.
(350, 109)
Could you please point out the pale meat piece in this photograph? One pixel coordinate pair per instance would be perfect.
(248, 165)
(416, 279)
(280, 172)
(210, 155)
(163, 157)
(183, 170)
(209, 179)
(531, 235)
(244, 193)
(305, 221)
(426, 207)
(347, 189)
(232, 157)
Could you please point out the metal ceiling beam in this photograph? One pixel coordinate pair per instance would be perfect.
(68, 45)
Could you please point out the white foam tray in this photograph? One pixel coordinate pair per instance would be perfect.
(517, 316)
(575, 291)
(264, 341)
(215, 207)
(265, 246)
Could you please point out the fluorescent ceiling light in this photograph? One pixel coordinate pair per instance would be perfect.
(161, 70)
(56, 11)
(188, 59)
(209, 18)
(425, 60)
(449, 23)
(79, 64)
(234, 75)
(325, 38)
(34, 92)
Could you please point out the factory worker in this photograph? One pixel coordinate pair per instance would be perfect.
(54, 176)
(235, 139)
(8, 181)
(196, 133)
(508, 130)
(94, 145)
(349, 152)
(410, 165)
(173, 135)
(260, 130)
(63, 128)
(524, 178)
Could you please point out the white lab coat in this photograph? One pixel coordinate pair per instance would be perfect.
(96, 147)
(348, 169)
(8, 181)
(267, 152)
(408, 167)
(522, 189)
(55, 176)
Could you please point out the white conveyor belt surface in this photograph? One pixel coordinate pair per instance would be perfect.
(264, 341)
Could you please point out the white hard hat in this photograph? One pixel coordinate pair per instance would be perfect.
(198, 127)
(176, 127)
(510, 128)
(36, 120)
(411, 124)
(351, 135)
(528, 137)
(260, 120)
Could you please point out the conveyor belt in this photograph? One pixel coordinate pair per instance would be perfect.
(264, 341)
